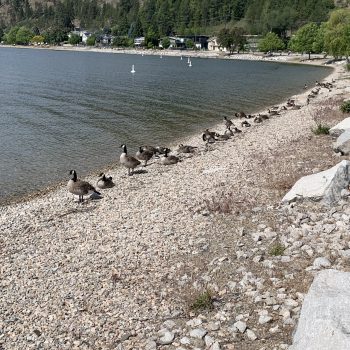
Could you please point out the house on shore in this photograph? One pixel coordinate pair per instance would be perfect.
(139, 42)
(213, 45)
(177, 43)
(200, 41)
(83, 34)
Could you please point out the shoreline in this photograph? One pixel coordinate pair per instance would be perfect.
(293, 58)
(122, 269)
(20, 198)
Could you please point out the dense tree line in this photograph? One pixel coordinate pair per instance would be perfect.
(158, 18)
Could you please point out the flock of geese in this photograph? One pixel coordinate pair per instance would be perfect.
(145, 153)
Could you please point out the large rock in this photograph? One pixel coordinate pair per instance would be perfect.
(342, 144)
(326, 185)
(324, 322)
(340, 127)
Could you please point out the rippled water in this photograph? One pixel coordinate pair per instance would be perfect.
(64, 110)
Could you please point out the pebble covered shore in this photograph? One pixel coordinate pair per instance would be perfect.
(121, 272)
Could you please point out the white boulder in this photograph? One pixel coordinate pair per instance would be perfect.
(342, 144)
(340, 127)
(324, 322)
(326, 185)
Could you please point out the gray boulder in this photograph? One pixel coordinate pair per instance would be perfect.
(324, 322)
(326, 185)
(340, 127)
(342, 145)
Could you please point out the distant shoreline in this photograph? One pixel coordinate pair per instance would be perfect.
(317, 60)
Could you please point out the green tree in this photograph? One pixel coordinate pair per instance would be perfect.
(271, 42)
(336, 36)
(23, 36)
(37, 39)
(10, 36)
(121, 41)
(238, 38)
(91, 40)
(189, 44)
(55, 36)
(151, 38)
(305, 39)
(166, 42)
(225, 39)
(74, 39)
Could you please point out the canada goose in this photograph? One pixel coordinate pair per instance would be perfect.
(128, 161)
(237, 131)
(240, 115)
(228, 123)
(209, 136)
(272, 112)
(162, 150)
(224, 137)
(249, 116)
(229, 132)
(305, 87)
(290, 102)
(283, 108)
(145, 155)
(263, 116)
(150, 149)
(169, 160)
(104, 181)
(186, 149)
(245, 124)
(79, 187)
(258, 119)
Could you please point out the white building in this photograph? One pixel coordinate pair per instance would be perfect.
(214, 46)
(139, 42)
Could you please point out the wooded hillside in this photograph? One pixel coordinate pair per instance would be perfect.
(164, 17)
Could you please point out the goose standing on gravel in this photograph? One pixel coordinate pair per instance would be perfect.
(245, 124)
(186, 149)
(162, 150)
(128, 161)
(228, 123)
(80, 188)
(229, 132)
(209, 136)
(104, 182)
(224, 137)
(169, 160)
(145, 155)
(240, 115)
(150, 149)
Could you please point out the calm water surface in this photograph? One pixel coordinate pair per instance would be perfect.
(71, 110)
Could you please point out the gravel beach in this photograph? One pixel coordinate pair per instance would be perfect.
(122, 272)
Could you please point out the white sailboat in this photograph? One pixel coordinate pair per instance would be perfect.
(190, 64)
(133, 69)
(188, 60)
(181, 58)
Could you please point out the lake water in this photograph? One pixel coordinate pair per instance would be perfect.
(73, 110)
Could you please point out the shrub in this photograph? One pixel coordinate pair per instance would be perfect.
(345, 107)
(90, 41)
(321, 129)
(74, 39)
(203, 301)
(277, 249)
